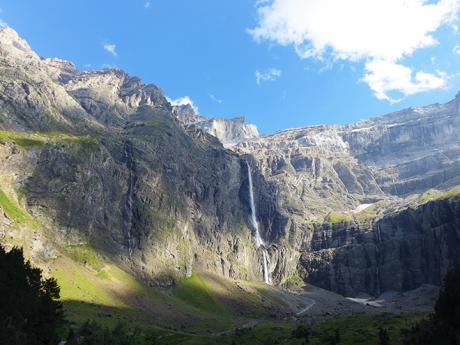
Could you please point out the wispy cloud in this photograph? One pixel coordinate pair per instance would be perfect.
(3, 24)
(269, 75)
(183, 101)
(380, 33)
(215, 99)
(148, 4)
(108, 66)
(261, 2)
(111, 48)
(456, 50)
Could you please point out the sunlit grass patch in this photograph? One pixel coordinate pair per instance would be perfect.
(335, 217)
(15, 213)
(22, 139)
(85, 254)
(450, 193)
(428, 195)
(79, 145)
(195, 292)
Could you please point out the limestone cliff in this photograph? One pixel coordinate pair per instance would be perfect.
(230, 132)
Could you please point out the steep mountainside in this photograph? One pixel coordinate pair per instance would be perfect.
(100, 160)
(113, 167)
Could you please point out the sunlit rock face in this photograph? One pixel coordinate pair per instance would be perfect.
(165, 191)
(230, 132)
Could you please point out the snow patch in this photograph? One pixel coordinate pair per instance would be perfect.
(360, 208)
(367, 301)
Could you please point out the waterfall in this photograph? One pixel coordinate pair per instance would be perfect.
(128, 217)
(259, 241)
(267, 277)
(377, 254)
(379, 233)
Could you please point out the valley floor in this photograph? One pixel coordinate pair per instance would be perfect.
(210, 309)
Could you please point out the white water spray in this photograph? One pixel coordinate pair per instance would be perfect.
(259, 241)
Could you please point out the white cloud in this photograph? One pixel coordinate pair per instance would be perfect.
(385, 77)
(183, 101)
(270, 75)
(147, 4)
(215, 99)
(456, 50)
(354, 30)
(111, 48)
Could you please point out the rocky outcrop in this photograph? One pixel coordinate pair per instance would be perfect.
(111, 96)
(186, 115)
(29, 97)
(230, 132)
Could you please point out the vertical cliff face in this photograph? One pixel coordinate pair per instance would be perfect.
(412, 150)
(397, 252)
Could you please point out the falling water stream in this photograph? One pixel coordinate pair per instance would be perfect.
(128, 219)
(255, 225)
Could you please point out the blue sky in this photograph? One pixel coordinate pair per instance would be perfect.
(280, 63)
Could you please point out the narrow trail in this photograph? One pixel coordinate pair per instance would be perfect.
(293, 300)
(249, 324)
(296, 301)
(307, 308)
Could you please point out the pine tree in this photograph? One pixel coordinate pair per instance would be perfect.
(384, 338)
(443, 327)
(30, 312)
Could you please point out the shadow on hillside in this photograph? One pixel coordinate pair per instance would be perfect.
(79, 312)
(219, 305)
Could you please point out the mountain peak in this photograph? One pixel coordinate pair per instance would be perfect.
(9, 36)
(7, 31)
(14, 46)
